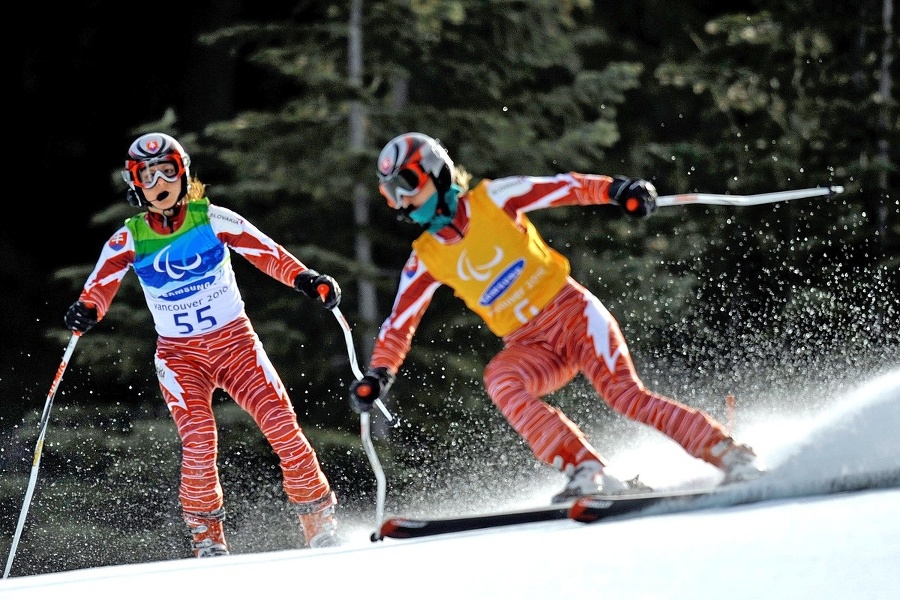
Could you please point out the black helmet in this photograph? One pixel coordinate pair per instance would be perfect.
(407, 161)
(154, 150)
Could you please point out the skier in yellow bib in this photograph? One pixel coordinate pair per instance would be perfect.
(480, 242)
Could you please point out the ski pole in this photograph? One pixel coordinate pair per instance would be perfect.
(36, 462)
(365, 428)
(751, 200)
(354, 365)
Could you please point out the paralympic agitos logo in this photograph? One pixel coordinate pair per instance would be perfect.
(176, 270)
(467, 271)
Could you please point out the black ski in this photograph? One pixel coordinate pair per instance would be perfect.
(585, 510)
(402, 527)
(588, 509)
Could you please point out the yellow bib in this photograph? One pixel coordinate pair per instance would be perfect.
(503, 273)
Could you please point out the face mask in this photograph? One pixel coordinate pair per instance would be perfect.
(425, 214)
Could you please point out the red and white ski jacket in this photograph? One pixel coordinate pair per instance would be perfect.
(186, 274)
(504, 272)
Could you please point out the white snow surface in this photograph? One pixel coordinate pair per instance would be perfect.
(804, 541)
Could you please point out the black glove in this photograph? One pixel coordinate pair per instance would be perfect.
(636, 196)
(364, 392)
(80, 318)
(310, 281)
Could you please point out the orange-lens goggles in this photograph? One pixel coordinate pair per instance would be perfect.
(146, 173)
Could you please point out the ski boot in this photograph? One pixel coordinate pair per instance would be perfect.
(318, 521)
(590, 478)
(738, 461)
(208, 534)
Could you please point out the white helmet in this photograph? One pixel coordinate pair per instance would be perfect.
(157, 150)
(407, 161)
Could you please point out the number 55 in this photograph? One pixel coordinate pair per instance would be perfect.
(184, 320)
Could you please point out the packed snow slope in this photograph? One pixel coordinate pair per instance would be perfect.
(828, 528)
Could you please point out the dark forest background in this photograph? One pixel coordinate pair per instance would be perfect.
(284, 106)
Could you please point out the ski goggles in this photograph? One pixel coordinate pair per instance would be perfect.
(405, 182)
(146, 173)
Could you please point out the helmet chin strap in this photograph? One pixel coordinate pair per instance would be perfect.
(403, 213)
(175, 208)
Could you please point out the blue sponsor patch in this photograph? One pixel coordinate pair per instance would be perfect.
(189, 290)
(502, 283)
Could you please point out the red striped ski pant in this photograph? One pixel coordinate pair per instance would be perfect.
(231, 359)
(576, 333)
